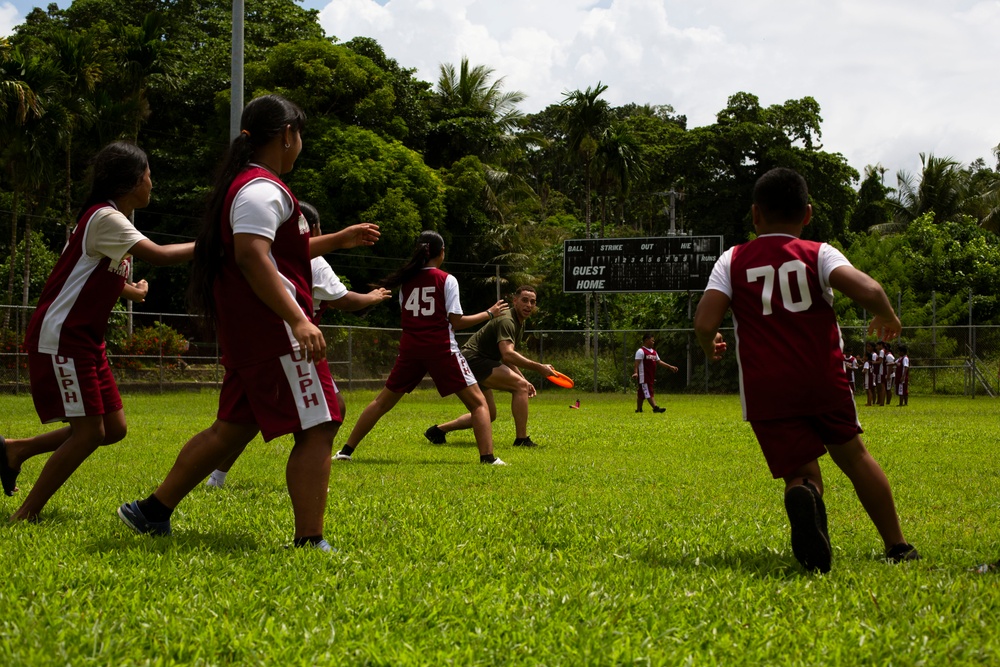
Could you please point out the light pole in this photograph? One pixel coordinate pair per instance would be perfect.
(236, 72)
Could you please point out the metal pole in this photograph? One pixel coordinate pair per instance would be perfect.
(497, 266)
(350, 358)
(236, 71)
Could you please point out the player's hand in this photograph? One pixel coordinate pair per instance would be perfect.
(886, 329)
(143, 288)
(310, 339)
(498, 308)
(674, 369)
(531, 390)
(548, 369)
(635, 375)
(379, 294)
(366, 233)
(718, 348)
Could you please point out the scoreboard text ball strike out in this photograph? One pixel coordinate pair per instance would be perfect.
(657, 264)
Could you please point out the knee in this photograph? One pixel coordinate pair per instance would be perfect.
(114, 433)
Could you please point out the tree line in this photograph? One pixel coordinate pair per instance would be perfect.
(504, 188)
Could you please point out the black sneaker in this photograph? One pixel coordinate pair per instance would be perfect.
(901, 553)
(638, 410)
(524, 442)
(435, 435)
(810, 544)
(659, 409)
(8, 475)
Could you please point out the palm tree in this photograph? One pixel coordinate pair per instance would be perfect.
(78, 58)
(621, 162)
(473, 115)
(29, 83)
(140, 55)
(584, 117)
(941, 190)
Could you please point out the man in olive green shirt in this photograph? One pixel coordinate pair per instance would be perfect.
(497, 365)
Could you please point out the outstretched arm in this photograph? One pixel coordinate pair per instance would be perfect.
(867, 293)
(366, 233)
(162, 255)
(707, 320)
(459, 322)
(353, 301)
(514, 359)
(672, 369)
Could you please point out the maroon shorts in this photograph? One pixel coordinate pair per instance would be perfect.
(645, 390)
(65, 387)
(791, 443)
(281, 396)
(451, 374)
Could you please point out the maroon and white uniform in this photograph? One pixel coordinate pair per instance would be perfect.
(69, 370)
(268, 380)
(850, 365)
(793, 384)
(903, 375)
(647, 359)
(786, 328)
(326, 287)
(428, 342)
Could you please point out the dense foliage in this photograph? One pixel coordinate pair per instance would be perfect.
(459, 156)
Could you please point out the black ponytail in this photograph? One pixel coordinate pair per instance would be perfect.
(429, 246)
(263, 118)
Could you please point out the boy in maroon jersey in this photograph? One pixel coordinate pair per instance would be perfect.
(646, 361)
(780, 289)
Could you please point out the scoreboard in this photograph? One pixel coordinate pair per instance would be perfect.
(657, 264)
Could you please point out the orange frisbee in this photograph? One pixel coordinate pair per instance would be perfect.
(560, 380)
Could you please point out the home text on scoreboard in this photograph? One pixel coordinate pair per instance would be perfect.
(657, 264)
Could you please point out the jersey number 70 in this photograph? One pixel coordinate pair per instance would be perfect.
(793, 267)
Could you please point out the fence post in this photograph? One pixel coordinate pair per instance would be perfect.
(625, 374)
(160, 339)
(934, 341)
(350, 358)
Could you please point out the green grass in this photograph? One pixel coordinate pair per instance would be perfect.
(625, 538)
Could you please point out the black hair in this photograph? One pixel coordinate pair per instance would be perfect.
(646, 336)
(115, 171)
(263, 119)
(429, 245)
(311, 215)
(782, 196)
(903, 349)
(525, 288)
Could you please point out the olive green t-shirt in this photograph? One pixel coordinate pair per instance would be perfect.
(486, 341)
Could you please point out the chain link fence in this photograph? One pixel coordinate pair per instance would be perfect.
(163, 351)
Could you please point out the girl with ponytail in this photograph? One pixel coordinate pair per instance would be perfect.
(252, 280)
(431, 312)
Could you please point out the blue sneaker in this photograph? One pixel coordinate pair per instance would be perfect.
(131, 516)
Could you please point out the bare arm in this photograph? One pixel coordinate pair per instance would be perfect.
(867, 293)
(635, 369)
(135, 291)
(349, 237)
(251, 253)
(459, 322)
(162, 255)
(512, 358)
(672, 369)
(707, 320)
(353, 301)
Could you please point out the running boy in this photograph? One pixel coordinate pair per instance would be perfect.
(780, 289)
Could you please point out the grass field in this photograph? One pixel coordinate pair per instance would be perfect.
(625, 538)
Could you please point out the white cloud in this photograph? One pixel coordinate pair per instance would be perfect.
(893, 77)
(9, 18)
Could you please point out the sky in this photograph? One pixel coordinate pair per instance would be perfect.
(894, 78)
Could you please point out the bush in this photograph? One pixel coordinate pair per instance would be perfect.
(148, 344)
